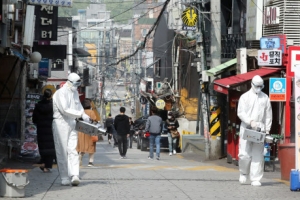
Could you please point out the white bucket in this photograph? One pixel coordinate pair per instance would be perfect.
(13, 182)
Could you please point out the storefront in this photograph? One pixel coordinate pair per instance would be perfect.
(234, 87)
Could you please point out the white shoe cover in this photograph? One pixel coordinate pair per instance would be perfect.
(256, 183)
(243, 179)
(65, 182)
(75, 181)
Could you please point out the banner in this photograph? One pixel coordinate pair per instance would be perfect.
(30, 148)
(297, 115)
(59, 3)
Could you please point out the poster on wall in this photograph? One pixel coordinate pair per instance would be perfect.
(29, 149)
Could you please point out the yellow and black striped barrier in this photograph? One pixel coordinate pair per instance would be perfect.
(215, 123)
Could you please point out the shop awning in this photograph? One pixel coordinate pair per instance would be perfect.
(223, 85)
(221, 68)
(79, 52)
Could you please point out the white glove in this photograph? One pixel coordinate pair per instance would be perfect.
(267, 132)
(85, 117)
(253, 124)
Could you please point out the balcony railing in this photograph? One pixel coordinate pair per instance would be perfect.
(229, 44)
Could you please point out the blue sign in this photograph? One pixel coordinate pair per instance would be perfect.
(269, 42)
(44, 67)
(277, 89)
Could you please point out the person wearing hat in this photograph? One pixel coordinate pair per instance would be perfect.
(172, 125)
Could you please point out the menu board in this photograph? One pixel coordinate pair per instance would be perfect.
(30, 147)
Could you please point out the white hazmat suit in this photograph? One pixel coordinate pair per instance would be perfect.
(66, 108)
(254, 109)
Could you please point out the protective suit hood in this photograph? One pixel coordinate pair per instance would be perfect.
(73, 81)
(257, 84)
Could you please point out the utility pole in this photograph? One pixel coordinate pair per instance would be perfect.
(215, 50)
(202, 97)
(103, 75)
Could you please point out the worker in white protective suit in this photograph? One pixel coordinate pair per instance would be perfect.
(254, 110)
(66, 108)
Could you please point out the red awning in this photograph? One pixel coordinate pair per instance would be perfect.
(223, 85)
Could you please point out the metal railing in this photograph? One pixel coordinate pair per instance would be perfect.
(229, 44)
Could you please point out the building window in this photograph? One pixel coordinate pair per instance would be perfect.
(144, 32)
(57, 65)
(157, 67)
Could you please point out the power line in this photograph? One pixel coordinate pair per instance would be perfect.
(106, 19)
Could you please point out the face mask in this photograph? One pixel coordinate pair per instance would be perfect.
(74, 89)
(257, 90)
(169, 117)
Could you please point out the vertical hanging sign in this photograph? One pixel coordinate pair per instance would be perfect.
(297, 115)
(46, 23)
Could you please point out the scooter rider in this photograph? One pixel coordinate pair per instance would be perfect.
(254, 109)
(66, 108)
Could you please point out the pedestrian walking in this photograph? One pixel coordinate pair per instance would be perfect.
(43, 116)
(154, 127)
(254, 110)
(109, 122)
(132, 109)
(85, 142)
(131, 132)
(66, 108)
(122, 127)
(172, 125)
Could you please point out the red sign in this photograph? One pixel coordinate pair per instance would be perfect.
(220, 89)
(277, 97)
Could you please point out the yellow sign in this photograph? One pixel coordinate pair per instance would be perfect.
(189, 17)
(160, 104)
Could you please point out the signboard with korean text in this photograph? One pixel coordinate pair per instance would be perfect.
(46, 23)
(277, 89)
(44, 68)
(269, 57)
(270, 43)
(160, 104)
(271, 15)
(60, 3)
(297, 115)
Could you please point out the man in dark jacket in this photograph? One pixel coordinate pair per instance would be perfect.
(109, 127)
(122, 127)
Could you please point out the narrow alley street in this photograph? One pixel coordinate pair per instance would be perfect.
(134, 178)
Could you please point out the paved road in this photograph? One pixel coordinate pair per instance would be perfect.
(172, 177)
